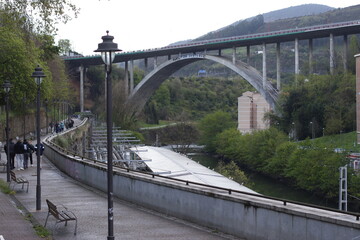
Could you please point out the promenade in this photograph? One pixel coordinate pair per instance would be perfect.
(90, 206)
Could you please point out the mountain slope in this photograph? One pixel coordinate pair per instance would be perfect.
(292, 17)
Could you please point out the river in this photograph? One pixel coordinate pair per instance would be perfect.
(268, 186)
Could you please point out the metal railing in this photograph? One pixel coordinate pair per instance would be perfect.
(229, 191)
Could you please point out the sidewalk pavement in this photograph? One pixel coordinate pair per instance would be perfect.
(90, 207)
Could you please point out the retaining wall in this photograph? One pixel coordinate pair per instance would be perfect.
(239, 214)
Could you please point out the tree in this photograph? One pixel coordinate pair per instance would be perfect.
(213, 124)
(232, 171)
(49, 13)
(65, 46)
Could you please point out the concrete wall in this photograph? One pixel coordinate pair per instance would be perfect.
(245, 216)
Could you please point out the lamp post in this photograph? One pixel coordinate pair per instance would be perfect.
(7, 87)
(108, 49)
(46, 115)
(24, 117)
(312, 130)
(38, 75)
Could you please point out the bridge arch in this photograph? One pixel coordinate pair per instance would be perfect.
(143, 91)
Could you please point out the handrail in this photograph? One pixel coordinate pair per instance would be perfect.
(187, 183)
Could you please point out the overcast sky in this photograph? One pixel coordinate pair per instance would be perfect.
(143, 24)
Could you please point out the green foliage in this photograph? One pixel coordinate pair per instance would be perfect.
(307, 165)
(197, 96)
(64, 46)
(309, 103)
(42, 231)
(4, 187)
(232, 171)
(22, 50)
(211, 125)
(49, 13)
(315, 168)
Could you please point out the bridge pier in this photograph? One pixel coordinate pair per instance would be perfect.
(278, 67)
(345, 53)
(156, 63)
(126, 80)
(81, 70)
(297, 67)
(248, 54)
(234, 55)
(311, 69)
(332, 54)
(264, 66)
(131, 76)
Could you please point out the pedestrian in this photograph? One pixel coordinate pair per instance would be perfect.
(51, 127)
(31, 151)
(26, 153)
(19, 153)
(12, 153)
(41, 150)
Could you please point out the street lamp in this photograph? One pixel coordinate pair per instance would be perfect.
(312, 130)
(38, 75)
(24, 117)
(108, 49)
(7, 87)
(46, 115)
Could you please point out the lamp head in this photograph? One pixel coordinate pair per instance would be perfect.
(107, 49)
(38, 75)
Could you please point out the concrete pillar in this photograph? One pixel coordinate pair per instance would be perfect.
(346, 50)
(131, 76)
(264, 66)
(297, 69)
(248, 54)
(146, 63)
(332, 54)
(81, 70)
(278, 66)
(234, 55)
(358, 97)
(311, 54)
(155, 62)
(126, 80)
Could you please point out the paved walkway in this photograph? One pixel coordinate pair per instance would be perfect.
(90, 206)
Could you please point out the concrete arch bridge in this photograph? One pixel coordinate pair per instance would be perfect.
(145, 89)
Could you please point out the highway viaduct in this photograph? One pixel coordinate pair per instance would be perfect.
(181, 55)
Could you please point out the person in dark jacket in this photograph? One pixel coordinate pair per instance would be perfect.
(12, 153)
(19, 152)
(42, 148)
(31, 151)
(41, 151)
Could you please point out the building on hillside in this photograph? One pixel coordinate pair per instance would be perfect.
(251, 110)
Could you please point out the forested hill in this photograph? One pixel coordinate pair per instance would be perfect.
(292, 17)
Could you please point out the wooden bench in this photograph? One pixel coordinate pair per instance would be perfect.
(18, 180)
(63, 215)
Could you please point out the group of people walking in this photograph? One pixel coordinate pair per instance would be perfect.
(60, 126)
(21, 153)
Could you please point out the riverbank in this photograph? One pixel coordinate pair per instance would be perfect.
(271, 187)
